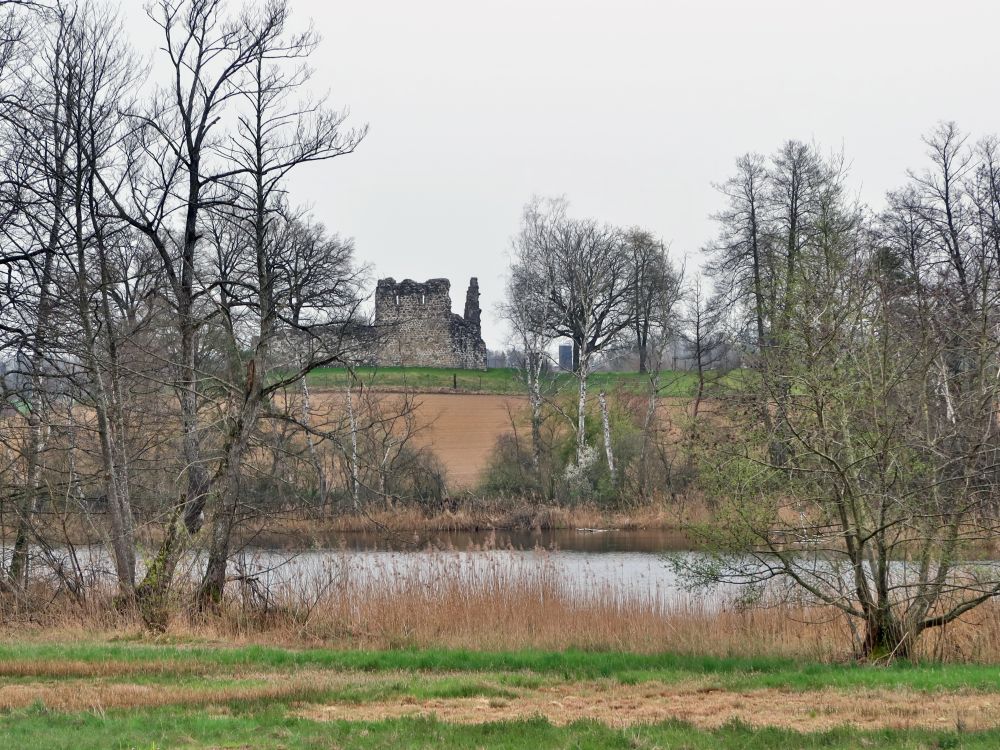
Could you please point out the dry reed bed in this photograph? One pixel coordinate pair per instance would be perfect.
(297, 529)
(500, 603)
(482, 514)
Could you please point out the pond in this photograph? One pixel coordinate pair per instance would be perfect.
(580, 565)
(617, 565)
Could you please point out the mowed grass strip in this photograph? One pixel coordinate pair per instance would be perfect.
(272, 727)
(703, 707)
(301, 686)
(332, 695)
(198, 695)
(56, 660)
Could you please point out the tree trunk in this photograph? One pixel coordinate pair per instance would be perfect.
(314, 457)
(17, 573)
(119, 506)
(353, 422)
(700, 393)
(120, 511)
(151, 595)
(536, 428)
(606, 424)
(885, 638)
(223, 521)
(197, 477)
(647, 425)
(581, 415)
(229, 477)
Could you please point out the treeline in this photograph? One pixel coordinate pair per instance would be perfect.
(867, 464)
(606, 289)
(162, 299)
(854, 455)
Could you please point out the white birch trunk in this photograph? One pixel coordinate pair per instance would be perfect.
(355, 491)
(606, 424)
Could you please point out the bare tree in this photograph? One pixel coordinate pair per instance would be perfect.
(529, 312)
(320, 275)
(150, 246)
(940, 198)
(585, 268)
(99, 76)
(662, 329)
(649, 274)
(165, 181)
(39, 128)
(701, 332)
(274, 136)
(742, 260)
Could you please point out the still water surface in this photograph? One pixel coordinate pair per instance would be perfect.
(620, 565)
(623, 565)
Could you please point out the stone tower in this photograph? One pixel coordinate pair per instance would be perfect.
(473, 315)
(415, 326)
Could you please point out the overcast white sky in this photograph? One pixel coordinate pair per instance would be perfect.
(630, 108)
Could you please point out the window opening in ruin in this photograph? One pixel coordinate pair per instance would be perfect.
(397, 299)
(423, 298)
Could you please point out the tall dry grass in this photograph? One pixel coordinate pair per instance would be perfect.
(474, 513)
(447, 602)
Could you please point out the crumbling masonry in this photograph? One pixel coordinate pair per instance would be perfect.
(416, 327)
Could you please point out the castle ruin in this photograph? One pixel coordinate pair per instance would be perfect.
(416, 327)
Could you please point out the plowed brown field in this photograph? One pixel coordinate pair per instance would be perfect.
(463, 430)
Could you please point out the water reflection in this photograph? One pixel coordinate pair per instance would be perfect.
(648, 541)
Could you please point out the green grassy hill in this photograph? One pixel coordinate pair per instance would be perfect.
(497, 380)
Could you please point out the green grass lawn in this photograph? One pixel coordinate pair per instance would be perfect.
(497, 380)
(272, 727)
(132, 694)
(729, 673)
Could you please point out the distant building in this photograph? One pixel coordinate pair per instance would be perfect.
(566, 357)
(415, 326)
(57, 374)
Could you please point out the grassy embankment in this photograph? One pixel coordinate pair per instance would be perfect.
(197, 695)
(496, 380)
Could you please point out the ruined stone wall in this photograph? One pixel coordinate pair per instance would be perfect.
(416, 327)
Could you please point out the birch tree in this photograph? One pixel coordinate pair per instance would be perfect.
(527, 308)
(584, 267)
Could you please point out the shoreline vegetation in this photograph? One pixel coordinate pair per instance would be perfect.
(470, 515)
(504, 658)
(447, 601)
(491, 515)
